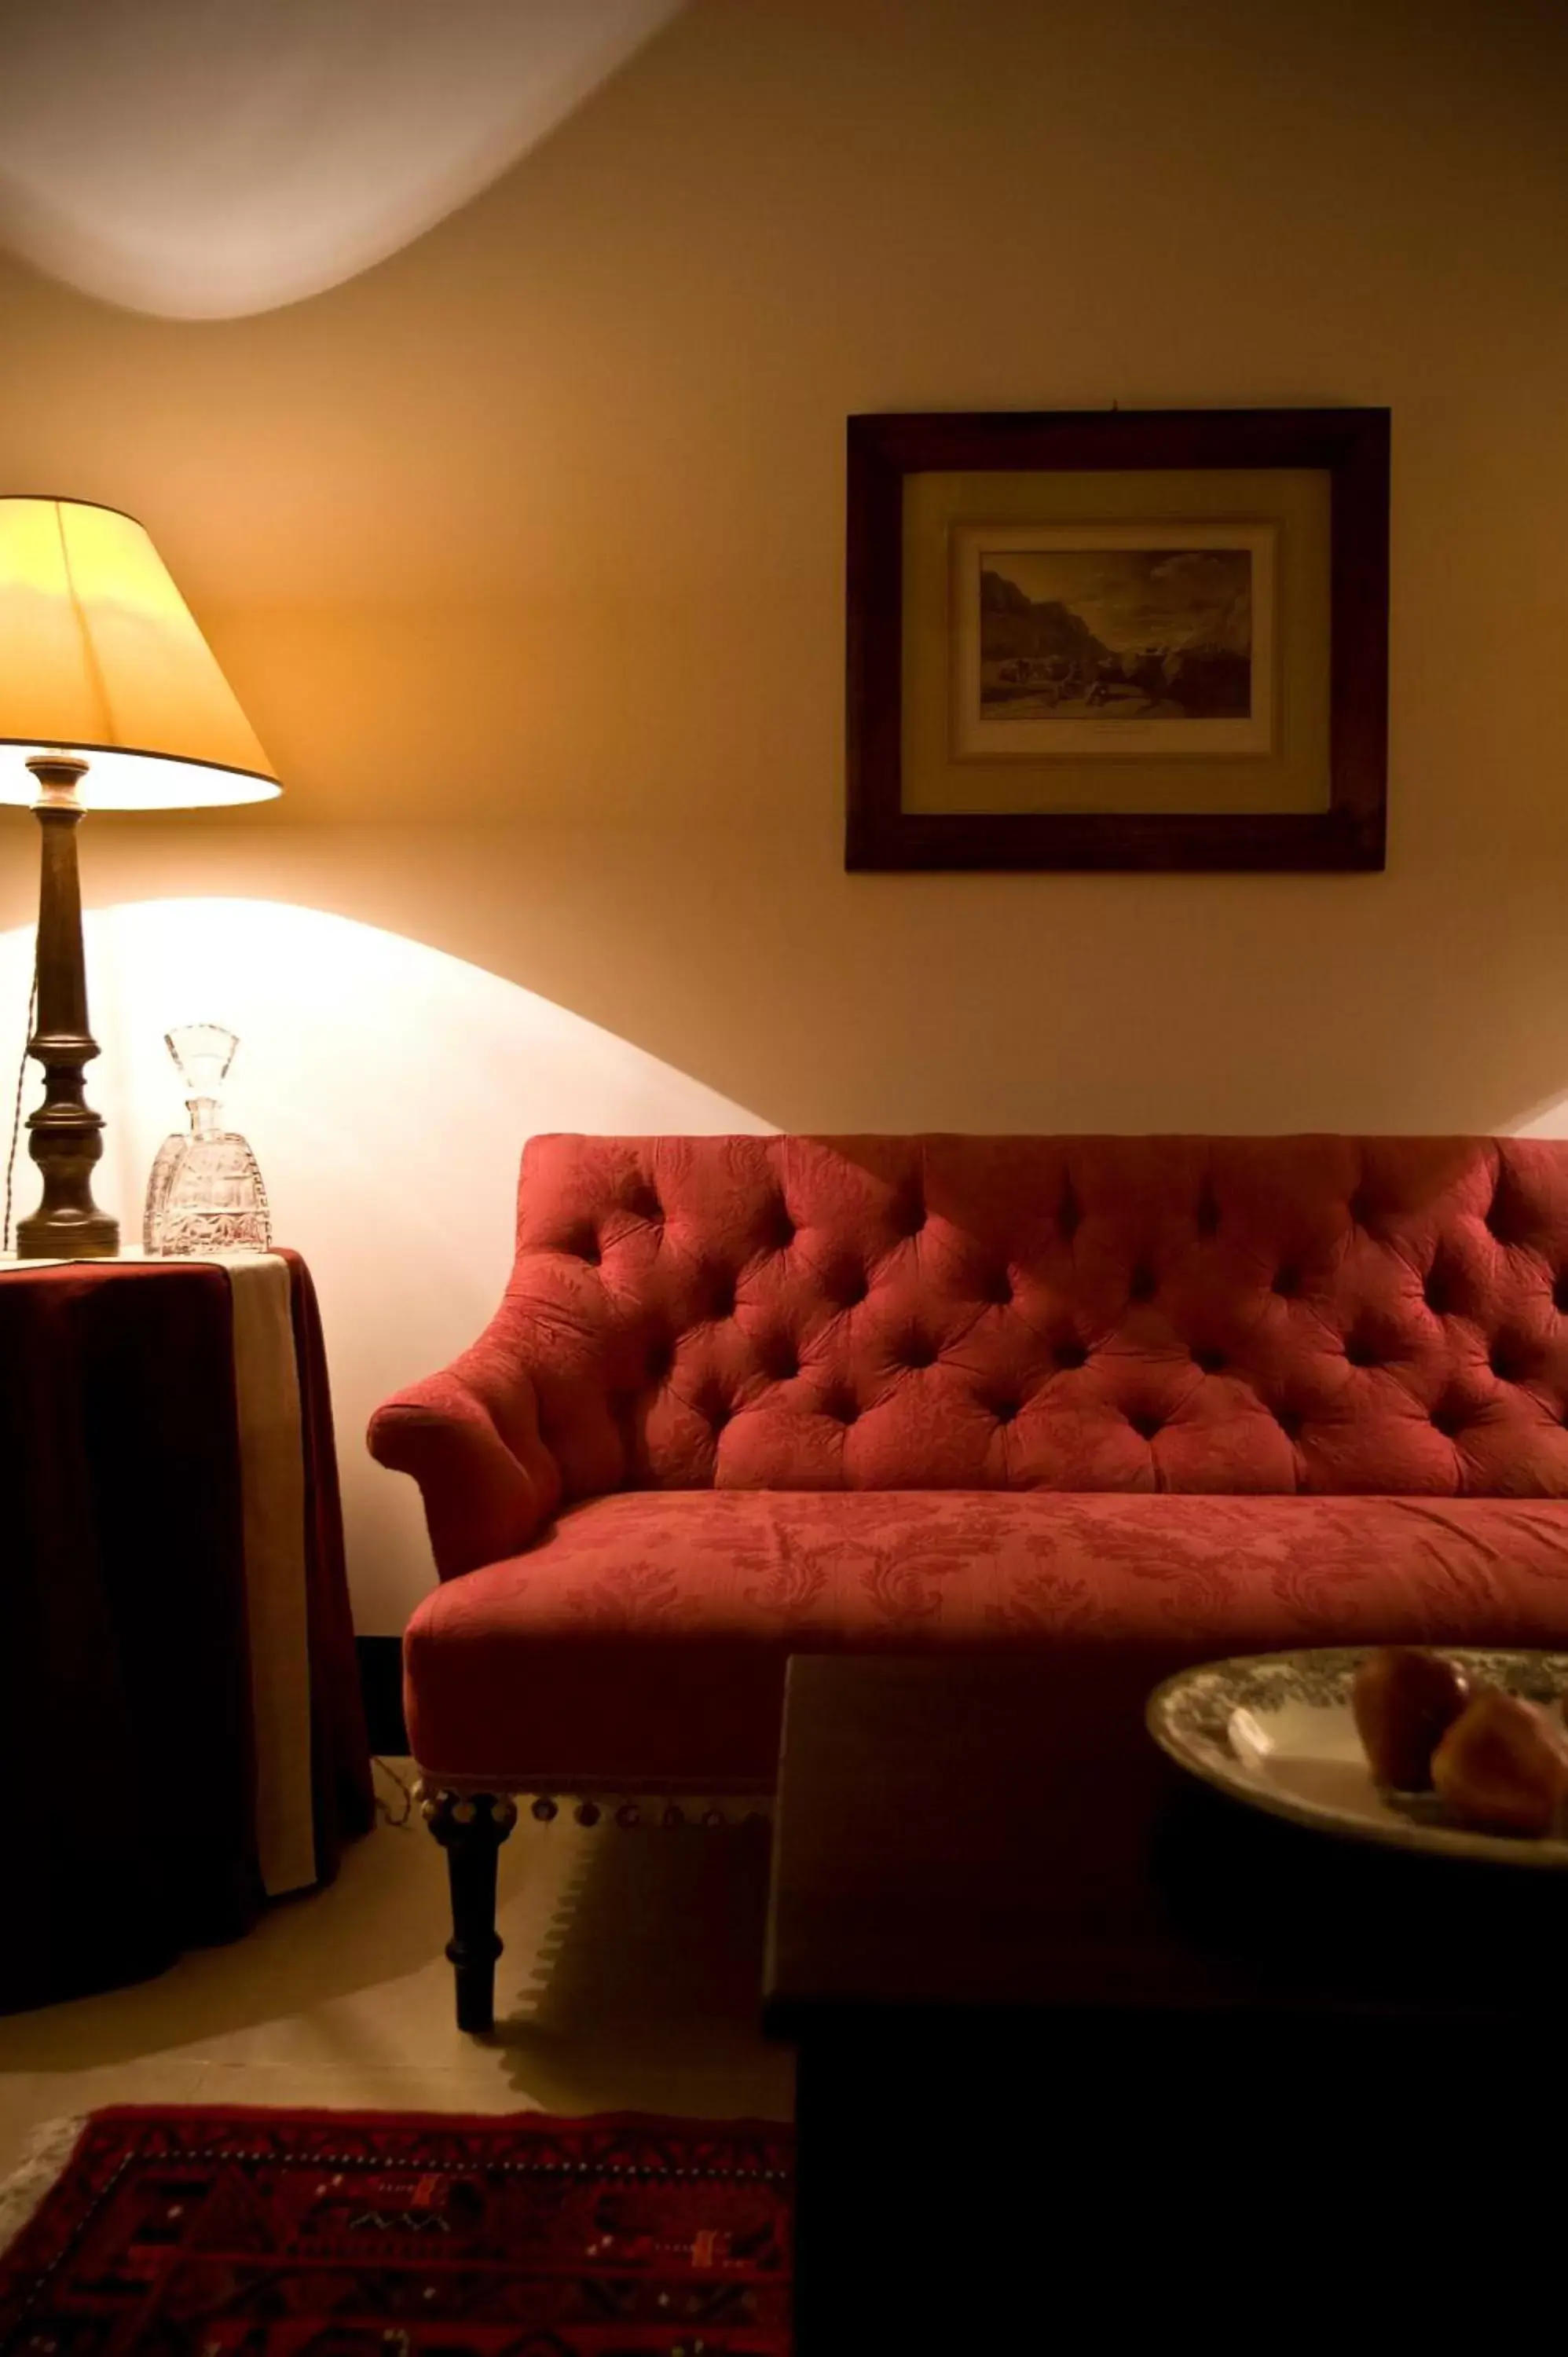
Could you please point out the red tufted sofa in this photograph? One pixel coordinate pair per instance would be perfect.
(746, 1396)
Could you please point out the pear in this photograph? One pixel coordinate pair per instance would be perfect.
(1503, 1766)
(1403, 1700)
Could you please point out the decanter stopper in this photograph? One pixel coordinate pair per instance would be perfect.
(204, 1193)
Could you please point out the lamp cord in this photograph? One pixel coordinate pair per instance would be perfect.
(16, 1109)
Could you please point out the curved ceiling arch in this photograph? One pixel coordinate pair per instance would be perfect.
(207, 159)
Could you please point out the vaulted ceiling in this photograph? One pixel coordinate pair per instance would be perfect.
(209, 159)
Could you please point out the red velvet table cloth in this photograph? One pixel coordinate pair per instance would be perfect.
(127, 1726)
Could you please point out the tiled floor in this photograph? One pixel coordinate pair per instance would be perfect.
(630, 1982)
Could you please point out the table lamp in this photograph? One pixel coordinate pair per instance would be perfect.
(110, 699)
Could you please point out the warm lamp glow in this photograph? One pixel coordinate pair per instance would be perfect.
(387, 1087)
(99, 655)
(103, 676)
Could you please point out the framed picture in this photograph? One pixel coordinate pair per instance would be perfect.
(1127, 639)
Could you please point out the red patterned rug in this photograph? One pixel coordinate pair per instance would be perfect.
(262, 2233)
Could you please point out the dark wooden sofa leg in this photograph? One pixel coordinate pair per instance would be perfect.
(470, 1829)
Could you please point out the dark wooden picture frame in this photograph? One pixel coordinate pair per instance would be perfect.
(1351, 445)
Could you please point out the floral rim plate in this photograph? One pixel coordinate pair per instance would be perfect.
(1276, 1731)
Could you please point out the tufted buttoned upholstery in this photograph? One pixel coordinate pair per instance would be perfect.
(1317, 1316)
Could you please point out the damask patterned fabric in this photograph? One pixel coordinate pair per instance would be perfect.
(644, 1642)
(1179, 1320)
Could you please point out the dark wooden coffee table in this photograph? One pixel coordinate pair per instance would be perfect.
(1076, 2038)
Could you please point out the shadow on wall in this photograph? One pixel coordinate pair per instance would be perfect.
(387, 1088)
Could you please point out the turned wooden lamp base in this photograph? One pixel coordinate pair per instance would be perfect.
(65, 1136)
(53, 1234)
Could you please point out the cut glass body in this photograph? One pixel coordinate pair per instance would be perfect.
(206, 1192)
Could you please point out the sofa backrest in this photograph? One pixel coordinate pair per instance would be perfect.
(1311, 1313)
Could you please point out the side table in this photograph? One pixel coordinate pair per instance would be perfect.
(180, 1725)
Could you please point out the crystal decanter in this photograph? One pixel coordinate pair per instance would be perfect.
(206, 1193)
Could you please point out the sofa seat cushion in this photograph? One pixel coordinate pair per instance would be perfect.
(641, 1643)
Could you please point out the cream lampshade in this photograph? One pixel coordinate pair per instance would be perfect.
(110, 699)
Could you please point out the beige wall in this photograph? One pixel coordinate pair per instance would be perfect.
(523, 551)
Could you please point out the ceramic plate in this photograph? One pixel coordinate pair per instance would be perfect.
(1276, 1731)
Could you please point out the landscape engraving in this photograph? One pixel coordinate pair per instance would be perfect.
(1112, 635)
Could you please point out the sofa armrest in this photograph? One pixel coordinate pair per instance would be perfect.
(470, 1436)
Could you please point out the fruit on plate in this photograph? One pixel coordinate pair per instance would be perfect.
(1503, 1766)
(1403, 1701)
